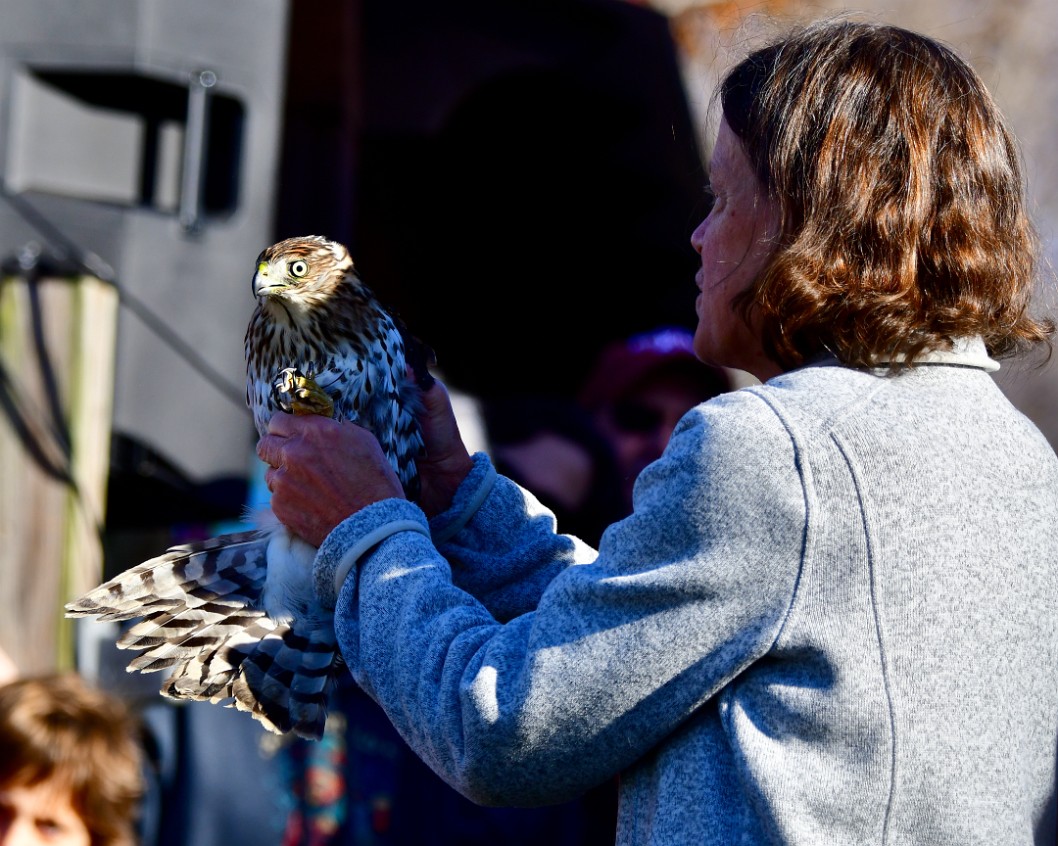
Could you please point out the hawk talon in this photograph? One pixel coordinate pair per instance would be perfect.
(296, 393)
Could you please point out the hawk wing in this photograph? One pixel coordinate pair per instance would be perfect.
(203, 617)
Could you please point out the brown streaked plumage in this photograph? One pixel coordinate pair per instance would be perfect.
(235, 618)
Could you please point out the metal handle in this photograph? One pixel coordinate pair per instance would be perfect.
(196, 131)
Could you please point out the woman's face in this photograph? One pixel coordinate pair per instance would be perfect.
(735, 242)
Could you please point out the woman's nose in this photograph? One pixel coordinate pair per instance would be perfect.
(696, 237)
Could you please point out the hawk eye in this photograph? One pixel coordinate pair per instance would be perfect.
(298, 268)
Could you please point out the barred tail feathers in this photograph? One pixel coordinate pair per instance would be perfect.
(213, 614)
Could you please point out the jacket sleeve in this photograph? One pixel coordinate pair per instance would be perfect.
(501, 543)
(617, 653)
(499, 540)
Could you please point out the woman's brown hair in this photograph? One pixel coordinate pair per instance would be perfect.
(59, 729)
(903, 203)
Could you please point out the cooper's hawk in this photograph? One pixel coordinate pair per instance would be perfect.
(235, 617)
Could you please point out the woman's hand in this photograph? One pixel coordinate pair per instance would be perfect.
(447, 461)
(321, 471)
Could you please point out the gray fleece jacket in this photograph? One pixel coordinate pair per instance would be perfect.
(831, 619)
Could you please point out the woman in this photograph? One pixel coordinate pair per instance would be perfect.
(833, 614)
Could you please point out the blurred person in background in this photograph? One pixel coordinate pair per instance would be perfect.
(71, 768)
(551, 446)
(637, 391)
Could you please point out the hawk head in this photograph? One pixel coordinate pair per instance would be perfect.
(301, 271)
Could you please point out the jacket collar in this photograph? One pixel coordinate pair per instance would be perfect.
(964, 352)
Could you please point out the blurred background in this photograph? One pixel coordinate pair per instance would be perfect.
(517, 178)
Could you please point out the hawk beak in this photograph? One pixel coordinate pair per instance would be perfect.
(264, 286)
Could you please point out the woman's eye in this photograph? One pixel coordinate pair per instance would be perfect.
(298, 268)
(714, 197)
